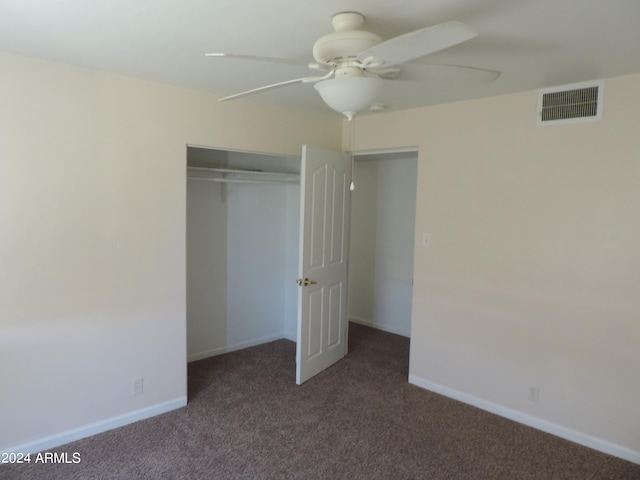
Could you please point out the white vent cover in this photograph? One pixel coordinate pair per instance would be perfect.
(577, 102)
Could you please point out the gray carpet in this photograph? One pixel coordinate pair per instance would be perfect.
(360, 419)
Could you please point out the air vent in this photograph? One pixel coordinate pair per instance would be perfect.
(578, 102)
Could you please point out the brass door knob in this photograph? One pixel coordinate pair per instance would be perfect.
(306, 282)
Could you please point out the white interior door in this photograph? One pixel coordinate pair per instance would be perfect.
(324, 239)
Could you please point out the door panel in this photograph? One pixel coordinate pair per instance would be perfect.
(339, 216)
(314, 328)
(318, 182)
(324, 222)
(335, 304)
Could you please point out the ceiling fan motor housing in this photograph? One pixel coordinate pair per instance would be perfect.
(346, 42)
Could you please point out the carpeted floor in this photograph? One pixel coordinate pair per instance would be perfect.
(360, 419)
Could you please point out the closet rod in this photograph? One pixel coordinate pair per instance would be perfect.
(242, 172)
(239, 180)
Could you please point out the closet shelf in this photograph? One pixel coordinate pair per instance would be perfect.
(227, 175)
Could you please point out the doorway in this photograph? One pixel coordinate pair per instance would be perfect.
(382, 240)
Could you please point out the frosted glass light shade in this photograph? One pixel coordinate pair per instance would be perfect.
(349, 95)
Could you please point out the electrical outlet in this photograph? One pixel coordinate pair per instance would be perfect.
(534, 394)
(138, 386)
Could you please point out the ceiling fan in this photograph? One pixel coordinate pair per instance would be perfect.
(354, 64)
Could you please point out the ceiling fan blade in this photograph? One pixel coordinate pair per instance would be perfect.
(277, 85)
(439, 73)
(418, 43)
(259, 58)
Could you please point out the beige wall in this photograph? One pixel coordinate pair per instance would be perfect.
(92, 239)
(533, 273)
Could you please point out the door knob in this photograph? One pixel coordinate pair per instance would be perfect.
(306, 282)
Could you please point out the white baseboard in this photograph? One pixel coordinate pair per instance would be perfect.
(531, 421)
(53, 441)
(378, 326)
(232, 348)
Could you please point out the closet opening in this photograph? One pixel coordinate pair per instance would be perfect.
(383, 208)
(243, 215)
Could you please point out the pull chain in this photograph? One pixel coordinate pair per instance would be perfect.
(352, 126)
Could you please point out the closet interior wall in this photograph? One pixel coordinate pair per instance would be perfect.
(242, 255)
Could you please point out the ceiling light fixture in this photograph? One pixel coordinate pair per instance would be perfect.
(349, 95)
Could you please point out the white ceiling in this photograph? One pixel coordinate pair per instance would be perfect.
(535, 43)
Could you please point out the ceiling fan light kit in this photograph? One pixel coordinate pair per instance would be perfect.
(360, 62)
(349, 95)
